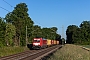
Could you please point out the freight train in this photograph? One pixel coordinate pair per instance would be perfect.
(39, 43)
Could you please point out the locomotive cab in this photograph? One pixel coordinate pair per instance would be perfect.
(36, 43)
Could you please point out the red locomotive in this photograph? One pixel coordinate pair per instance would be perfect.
(39, 43)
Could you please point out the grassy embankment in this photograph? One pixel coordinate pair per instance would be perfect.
(71, 52)
(5, 51)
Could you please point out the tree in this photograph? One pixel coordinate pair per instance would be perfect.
(85, 29)
(20, 18)
(58, 37)
(54, 29)
(2, 32)
(69, 32)
(50, 33)
(79, 35)
(36, 32)
(9, 34)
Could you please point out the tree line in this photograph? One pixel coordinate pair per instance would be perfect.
(13, 28)
(79, 35)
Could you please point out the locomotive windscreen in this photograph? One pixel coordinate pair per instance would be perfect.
(36, 41)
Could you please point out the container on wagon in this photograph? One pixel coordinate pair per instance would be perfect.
(52, 42)
(49, 42)
(55, 42)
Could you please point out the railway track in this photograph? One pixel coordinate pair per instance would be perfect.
(31, 54)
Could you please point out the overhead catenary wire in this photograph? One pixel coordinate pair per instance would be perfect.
(4, 9)
(7, 3)
(10, 12)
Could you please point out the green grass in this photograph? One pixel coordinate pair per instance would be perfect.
(5, 51)
(71, 52)
(87, 46)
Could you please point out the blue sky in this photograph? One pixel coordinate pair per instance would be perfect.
(53, 13)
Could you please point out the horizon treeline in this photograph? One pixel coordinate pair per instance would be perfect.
(79, 35)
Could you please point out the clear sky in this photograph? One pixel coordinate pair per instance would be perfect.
(53, 13)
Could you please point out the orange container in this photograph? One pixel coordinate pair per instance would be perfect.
(48, 42)
(55, 42)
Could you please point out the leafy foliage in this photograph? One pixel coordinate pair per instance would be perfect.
(10, 34)
(2, 32)
(69, 32)
(79, 35)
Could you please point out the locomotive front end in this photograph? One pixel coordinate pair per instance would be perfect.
(36, 44)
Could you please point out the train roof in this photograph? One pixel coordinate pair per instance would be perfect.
(41, 38)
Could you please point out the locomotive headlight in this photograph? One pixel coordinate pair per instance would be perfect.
(36, 44)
